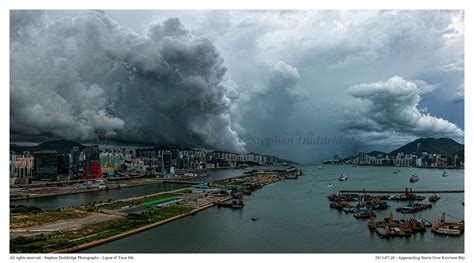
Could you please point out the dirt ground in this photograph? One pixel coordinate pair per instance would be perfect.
(62, 225)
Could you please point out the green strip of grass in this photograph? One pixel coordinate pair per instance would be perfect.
(135, 202)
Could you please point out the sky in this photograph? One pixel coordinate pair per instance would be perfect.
(302, 85)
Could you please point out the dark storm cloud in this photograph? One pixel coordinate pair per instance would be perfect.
(87, 78)
(388, 112)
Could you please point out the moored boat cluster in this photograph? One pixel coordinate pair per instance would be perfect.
(365, 206)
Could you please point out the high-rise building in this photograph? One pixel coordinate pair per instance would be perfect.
(167, 158)
(75, 153)
(91, 164)
(63, 164)
(45, 166)
(418, 149)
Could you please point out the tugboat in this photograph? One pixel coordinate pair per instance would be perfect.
(448, 228)
(343, 177)
(444, 174)
(434, 198)
(414, 179)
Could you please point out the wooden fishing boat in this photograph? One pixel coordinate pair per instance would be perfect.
(443, 227)
(434, 198)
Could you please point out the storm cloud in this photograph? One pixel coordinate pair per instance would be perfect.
(387, 111)
(87, 78)
(159, 76)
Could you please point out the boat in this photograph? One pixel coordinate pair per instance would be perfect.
(364, 213)
(444, 174)
(434, 198)
(338, 205)
(414, 179)
(343, 177)
(349, 209)
(254, 218)
(320, 167)
(443, 227)
(400, 231)
(383, 231)
(236, 203)
(372, 224)
(406, 209)
(413, 207)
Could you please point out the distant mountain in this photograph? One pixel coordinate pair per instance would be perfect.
(62, 146)
(444, 146)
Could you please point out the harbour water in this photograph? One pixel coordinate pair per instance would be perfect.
(295, 217)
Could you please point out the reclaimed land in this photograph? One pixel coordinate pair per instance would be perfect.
(42, 192)
(135, 231)
(130, 216)
(69, 189)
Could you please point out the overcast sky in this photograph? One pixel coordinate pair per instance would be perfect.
(303, 85)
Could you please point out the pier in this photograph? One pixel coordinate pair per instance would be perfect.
(400, 191)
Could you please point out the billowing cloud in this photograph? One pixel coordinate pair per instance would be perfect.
(288, 73)
(388, 112)
(87, 78)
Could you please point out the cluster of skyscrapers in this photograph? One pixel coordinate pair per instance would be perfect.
(418, 159)
(93, 163)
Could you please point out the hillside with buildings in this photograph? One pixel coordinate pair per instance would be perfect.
(423, 153)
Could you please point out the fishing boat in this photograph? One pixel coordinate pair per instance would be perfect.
(338, 205)
(372, 224)
(443, 227)
(364, 213)
(434, 198)
(406, 209)
(378, 204)
(444, 174)
(401, 232)
(343, 177)
(414, 179)
(383, 232)
(349, 209)
(320, 167)
(413, 207)
(254, 218)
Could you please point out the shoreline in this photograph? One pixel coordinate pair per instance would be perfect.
(140, 229)
(392, 166)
